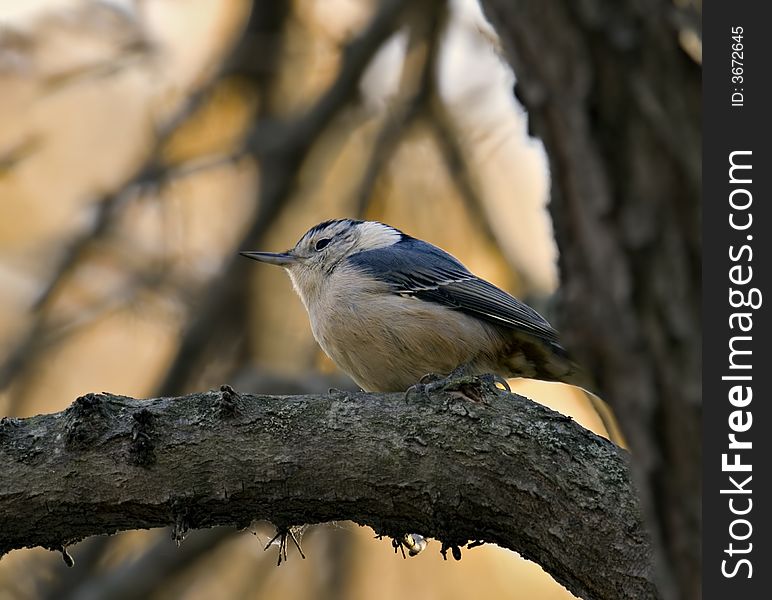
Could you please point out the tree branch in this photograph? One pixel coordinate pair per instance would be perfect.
(505, 470)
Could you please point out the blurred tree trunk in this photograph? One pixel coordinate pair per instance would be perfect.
(616, 101)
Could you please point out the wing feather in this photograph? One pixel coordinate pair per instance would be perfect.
(415, 268)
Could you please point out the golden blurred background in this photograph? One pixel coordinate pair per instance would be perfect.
(127, 184)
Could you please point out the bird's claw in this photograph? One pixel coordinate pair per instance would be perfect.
(494, 381)
(430, 378)
(463, 382)
(422, 387)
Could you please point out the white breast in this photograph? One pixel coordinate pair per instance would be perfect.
(387, 342)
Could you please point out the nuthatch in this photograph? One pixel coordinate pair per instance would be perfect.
(389, 309)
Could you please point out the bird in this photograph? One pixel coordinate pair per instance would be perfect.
(390, 309)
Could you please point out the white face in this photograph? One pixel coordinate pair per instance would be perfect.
(325, 245)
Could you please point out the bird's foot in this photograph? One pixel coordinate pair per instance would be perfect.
(421, 388)
(463, 381)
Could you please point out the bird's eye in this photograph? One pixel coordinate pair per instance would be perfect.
(320, 244)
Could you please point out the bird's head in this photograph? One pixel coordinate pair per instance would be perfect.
(324, 247)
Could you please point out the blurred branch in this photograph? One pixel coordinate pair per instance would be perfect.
(284, 141)
(130, 55)
(153, 172)
(18, 153)
(504, 470)
(47, 330)
(158, 564)
(415, 86)
(458, 167)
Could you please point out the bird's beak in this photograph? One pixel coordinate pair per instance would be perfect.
(283, 259)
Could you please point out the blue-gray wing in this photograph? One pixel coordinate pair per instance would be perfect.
(419, 269)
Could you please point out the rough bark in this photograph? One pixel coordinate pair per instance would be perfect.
(504, 470)
(616, 101)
